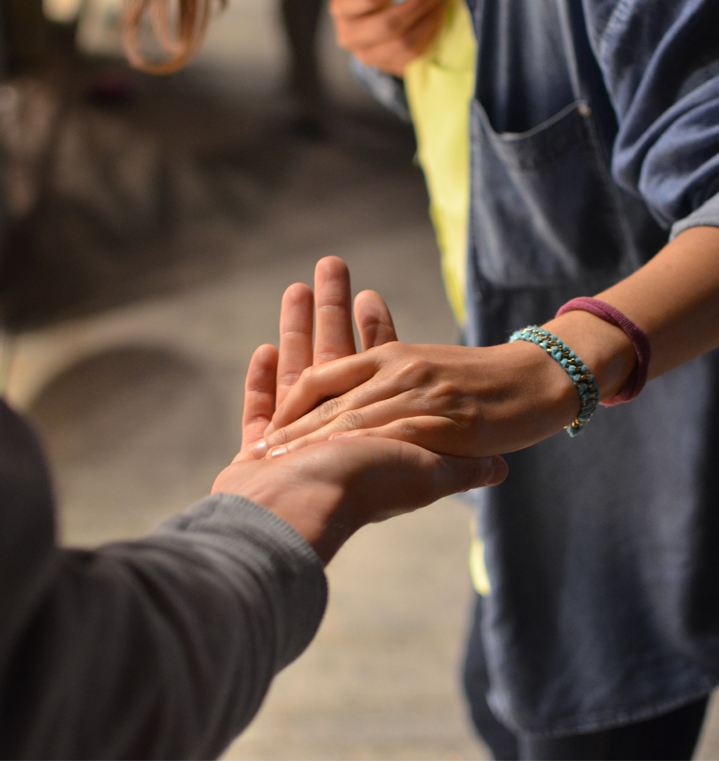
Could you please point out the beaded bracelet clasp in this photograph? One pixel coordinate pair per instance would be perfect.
(579, 373)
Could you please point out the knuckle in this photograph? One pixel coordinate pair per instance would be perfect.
(387, 351)
(343, 8)
(351, 420)
(330, 409)
(280, 437)
(467, 420)
(307, 375)
(408, 430)
(322, 357)
(342, 37)
(392, 25)
(255, 419)
(457, 475)
(415, 369)
(288, 378)
(469, 477)
(445, 391)
(404, 46)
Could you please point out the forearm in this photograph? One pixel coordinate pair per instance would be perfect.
(674, 299)
(163, 647)
(491, 400)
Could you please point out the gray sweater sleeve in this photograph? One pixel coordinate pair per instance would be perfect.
(159, 648)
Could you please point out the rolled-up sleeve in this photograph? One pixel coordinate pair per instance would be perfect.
(660, 62)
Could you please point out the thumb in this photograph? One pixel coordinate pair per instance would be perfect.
(461, 474)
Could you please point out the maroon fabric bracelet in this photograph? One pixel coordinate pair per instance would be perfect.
(635, 382)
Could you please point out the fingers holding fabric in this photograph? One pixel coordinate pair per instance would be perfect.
(366, 22)
(386, 35)
(393, 56)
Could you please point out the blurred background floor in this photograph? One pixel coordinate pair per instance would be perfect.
(152, 236)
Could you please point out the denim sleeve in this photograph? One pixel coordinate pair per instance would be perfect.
(385, 88)
(706, 215)
(660, 63)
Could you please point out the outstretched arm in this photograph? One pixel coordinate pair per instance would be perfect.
(159, 648)
(479, 401)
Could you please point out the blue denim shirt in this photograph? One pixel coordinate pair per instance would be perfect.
(595, 135)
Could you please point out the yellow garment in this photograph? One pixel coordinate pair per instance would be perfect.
(477, 566)
(439, 87)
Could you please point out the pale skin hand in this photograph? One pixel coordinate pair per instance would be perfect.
(330, 490)
(475, 402)
(384, 34)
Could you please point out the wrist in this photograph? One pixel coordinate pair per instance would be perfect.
(529, 387)
(314, 512)
(604, 348)
(312, 507)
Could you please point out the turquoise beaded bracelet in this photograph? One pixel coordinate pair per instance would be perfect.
(577, 370)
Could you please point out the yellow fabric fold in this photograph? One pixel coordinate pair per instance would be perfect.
(439, 88)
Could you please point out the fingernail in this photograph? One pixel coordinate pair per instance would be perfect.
(278, 451)
(500, 469)
(259, 450)
(339, 436)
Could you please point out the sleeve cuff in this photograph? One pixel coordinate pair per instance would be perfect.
(245, 529)
(707, 215)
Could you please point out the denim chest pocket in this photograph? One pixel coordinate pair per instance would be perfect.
(545, 211)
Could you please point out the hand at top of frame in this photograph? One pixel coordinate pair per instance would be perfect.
(385, 34)
(329, 490)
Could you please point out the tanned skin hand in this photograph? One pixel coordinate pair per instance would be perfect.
(384, 34)
(481, 401)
